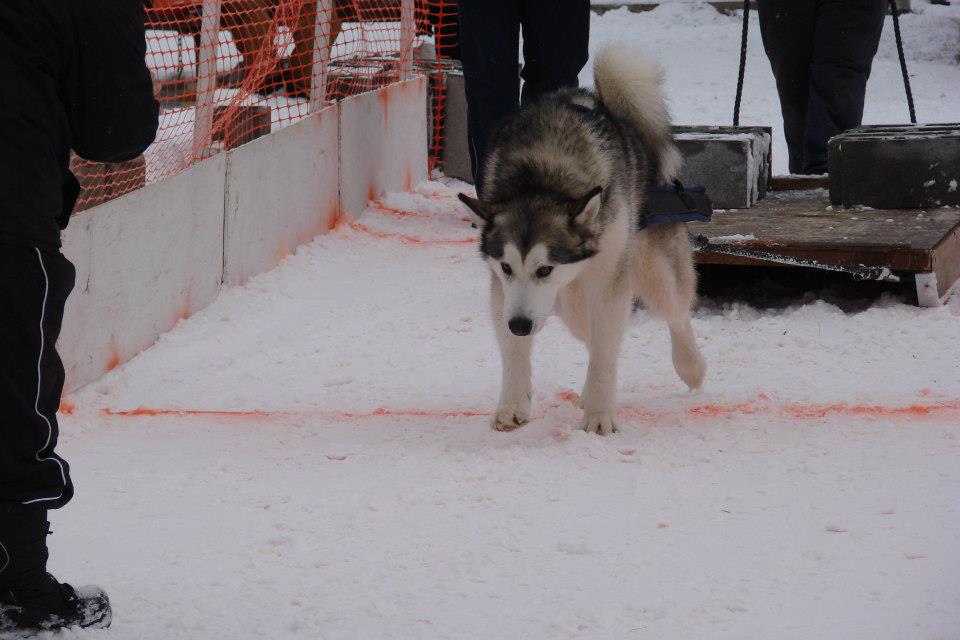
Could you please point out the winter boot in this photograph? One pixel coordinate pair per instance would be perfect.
(32, 600)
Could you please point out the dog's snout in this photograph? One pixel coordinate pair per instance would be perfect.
(520, 326)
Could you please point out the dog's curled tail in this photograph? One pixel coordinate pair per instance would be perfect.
(630, 85)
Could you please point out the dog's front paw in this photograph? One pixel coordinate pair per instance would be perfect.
(599, 422)
(509, 417)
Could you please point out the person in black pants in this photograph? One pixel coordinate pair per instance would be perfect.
(821, 52)
(555, 38)
(73, 77)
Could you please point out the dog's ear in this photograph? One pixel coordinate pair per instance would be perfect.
(479, 213)
(587, 207)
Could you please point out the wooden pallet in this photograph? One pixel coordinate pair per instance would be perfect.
(802, 224)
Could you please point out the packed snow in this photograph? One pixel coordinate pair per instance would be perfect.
(310, 456)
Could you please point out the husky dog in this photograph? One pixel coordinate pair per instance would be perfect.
(559, 211)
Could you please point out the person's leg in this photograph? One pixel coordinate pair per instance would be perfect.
(34, 285)
(490, 51)
(787, 29)
(556, 34)
(847, 35)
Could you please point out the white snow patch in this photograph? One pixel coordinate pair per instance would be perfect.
(364, 495)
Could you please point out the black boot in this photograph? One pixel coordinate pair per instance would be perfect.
(31, 599)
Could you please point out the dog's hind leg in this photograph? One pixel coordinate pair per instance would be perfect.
(608, 307)
(516, 388)
(665, 281)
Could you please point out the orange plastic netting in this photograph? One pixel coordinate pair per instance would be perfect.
(229, 71)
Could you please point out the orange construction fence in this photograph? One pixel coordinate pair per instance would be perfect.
(229, 71)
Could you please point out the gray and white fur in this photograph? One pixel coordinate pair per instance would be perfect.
(564, 188)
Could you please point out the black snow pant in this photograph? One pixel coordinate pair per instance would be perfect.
(821, 52)
(555, 38)
(34, 285)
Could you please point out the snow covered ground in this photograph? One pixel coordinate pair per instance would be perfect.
(700, 50)
(310, 457)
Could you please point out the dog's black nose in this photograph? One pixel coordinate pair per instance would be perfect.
(520, 326)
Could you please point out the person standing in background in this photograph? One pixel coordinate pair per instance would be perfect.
(821, 52)
(74, 77)
(555, 39)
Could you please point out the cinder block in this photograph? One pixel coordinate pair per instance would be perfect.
(733, 163)
(245, 123)
(456, 154)
(896, 166)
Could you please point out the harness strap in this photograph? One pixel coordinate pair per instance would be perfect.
(668, 204)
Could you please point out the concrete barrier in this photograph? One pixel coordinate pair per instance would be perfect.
(281, 192)
(383, 143)
(150, 258)
(143, 261)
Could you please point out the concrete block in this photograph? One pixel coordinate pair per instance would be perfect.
(456, 152)
(733, 163)
(896, 166)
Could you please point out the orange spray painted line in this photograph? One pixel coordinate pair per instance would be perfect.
(402, 213)
(948, 408)
(408, 239)
(381, 412)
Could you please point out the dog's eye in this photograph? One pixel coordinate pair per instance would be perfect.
(506, 268)
(543, 272)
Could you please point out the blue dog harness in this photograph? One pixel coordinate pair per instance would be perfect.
(665, 204)
(669, 204)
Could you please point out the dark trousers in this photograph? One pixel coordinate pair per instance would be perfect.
(34, 285)
(821, 52)
(555, 38)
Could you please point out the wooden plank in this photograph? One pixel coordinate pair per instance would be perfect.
(804, 225)
(946, 261)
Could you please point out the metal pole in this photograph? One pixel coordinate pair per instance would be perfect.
(408, 30)
(321, 55)
(206, 77)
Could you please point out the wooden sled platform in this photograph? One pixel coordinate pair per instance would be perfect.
(802, 224)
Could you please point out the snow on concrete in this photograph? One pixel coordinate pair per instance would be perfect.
(344, 482)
